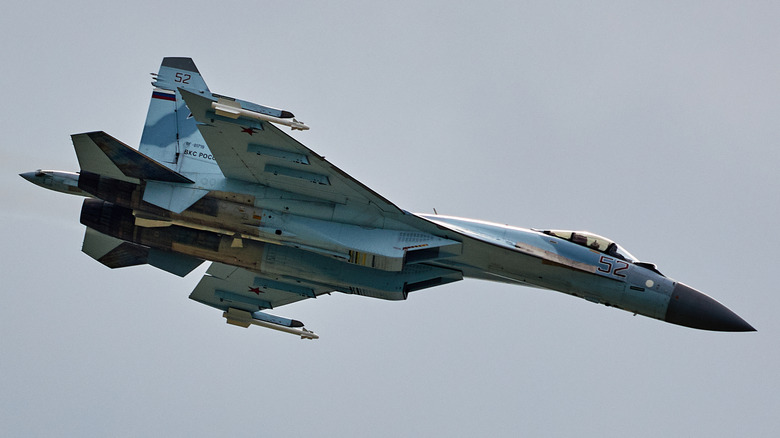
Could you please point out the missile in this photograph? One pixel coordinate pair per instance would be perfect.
(242, 318)
(233, 110)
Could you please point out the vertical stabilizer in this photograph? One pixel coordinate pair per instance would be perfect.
(170, 135)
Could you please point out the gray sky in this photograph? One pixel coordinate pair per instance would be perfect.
(655, 124)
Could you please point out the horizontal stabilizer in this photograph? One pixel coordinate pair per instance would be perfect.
(172, 197)
(113, 252)
(175, 263)
(116, 253)
(102, 154)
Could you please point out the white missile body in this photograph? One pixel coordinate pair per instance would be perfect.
(242, 318)
(233, 110)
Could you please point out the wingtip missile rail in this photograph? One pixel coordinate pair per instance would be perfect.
(244, 319)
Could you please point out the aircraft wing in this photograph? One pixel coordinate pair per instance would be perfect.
(226, 286)
(242, 295)
(258, 152)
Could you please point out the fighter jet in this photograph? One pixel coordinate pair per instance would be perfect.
(215, 179)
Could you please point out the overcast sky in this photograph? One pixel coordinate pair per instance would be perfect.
(653, 123)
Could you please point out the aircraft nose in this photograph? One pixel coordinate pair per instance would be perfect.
(691, 308)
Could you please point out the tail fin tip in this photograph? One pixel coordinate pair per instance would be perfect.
(178, 63)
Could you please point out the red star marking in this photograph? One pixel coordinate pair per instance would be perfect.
(249, 131)
(255, 290)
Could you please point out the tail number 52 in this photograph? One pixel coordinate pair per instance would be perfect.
(183, 78)
(608, 265)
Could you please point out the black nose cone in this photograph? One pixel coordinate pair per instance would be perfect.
(691, 308)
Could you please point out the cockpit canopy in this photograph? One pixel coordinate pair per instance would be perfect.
(594, 242)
